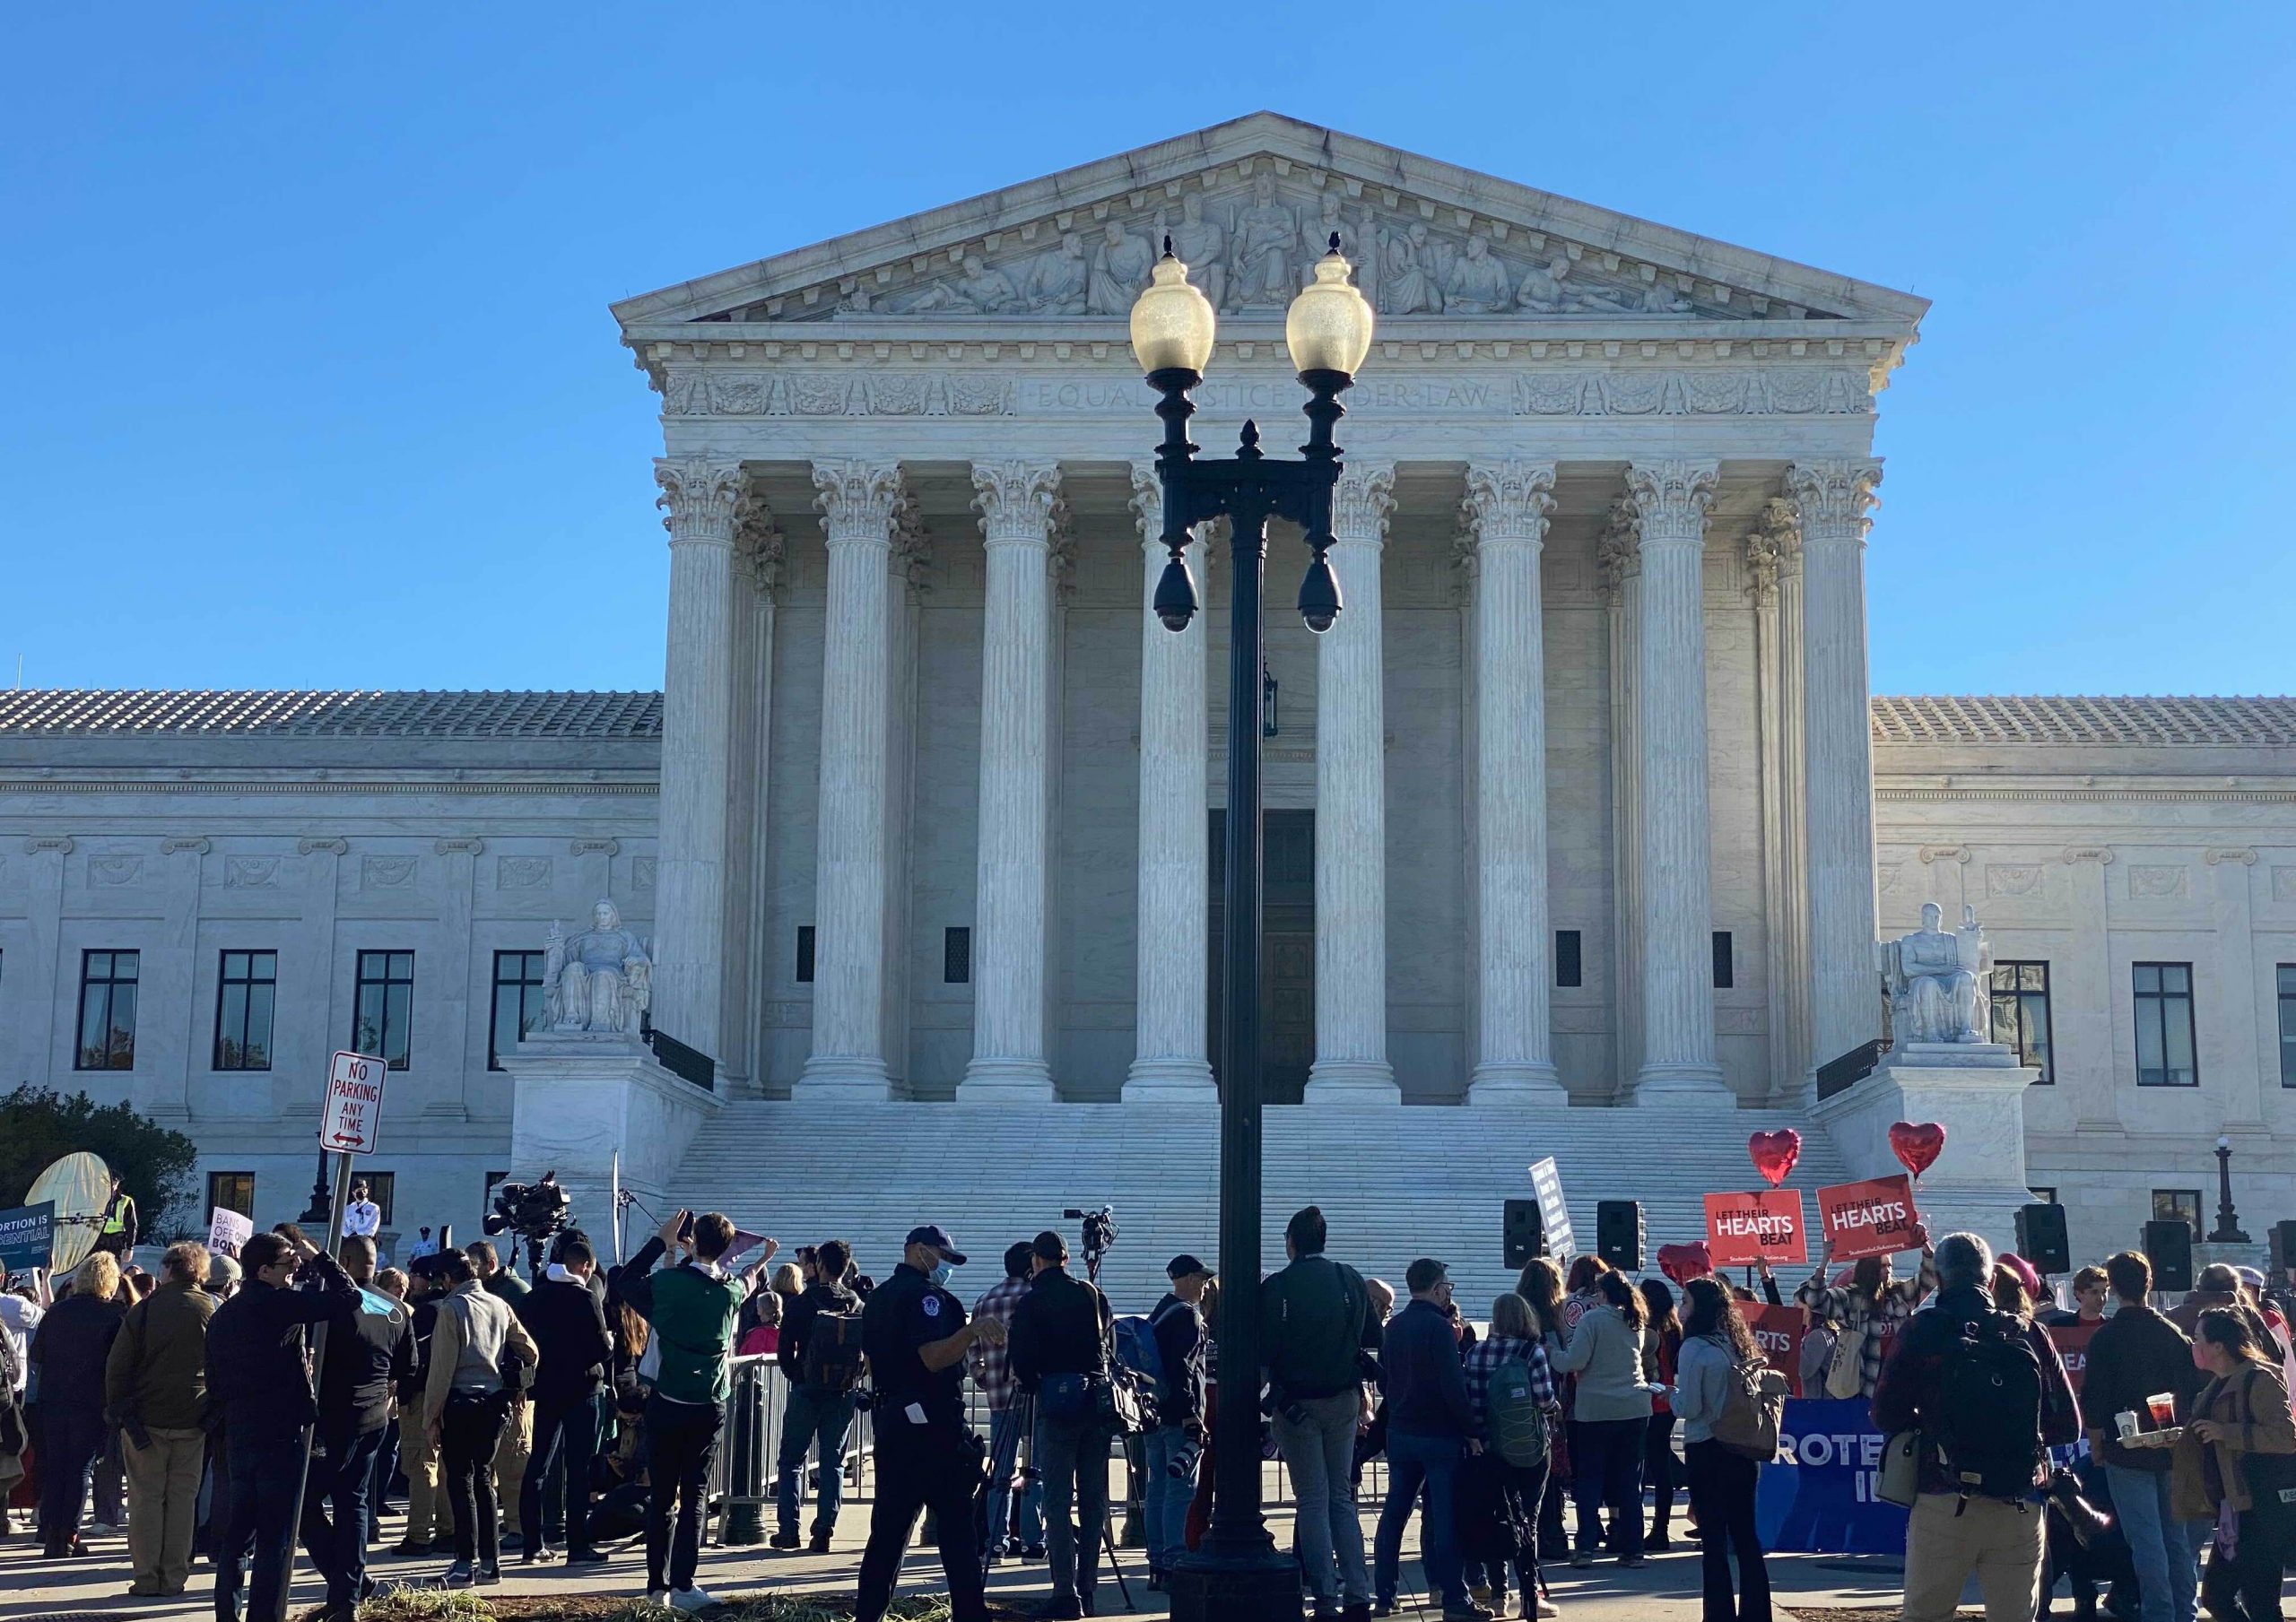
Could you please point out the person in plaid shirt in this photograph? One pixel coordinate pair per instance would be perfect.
(1872, 1306)
(1009, 1416)
(1514, 1338)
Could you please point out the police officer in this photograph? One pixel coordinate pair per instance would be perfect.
(915, 1336)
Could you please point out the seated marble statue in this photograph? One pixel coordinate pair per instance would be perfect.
(1478, 284)
(1937, 981)
(600, 980)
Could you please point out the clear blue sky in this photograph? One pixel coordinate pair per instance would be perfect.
(310, 380)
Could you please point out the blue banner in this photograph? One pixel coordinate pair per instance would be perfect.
(27, 1236)
(1819, 1497)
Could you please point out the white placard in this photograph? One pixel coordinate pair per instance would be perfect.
(1554, 1216)
(227, 1230)
(352, 1117)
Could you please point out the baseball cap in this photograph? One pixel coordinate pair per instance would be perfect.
(222, 1269)
(937, 1237)
(1184, 1266)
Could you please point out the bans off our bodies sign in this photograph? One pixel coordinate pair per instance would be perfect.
(1875, 1218)
(1762, 1226)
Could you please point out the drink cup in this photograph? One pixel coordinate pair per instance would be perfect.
(2126, 1423)
(2162, 1407)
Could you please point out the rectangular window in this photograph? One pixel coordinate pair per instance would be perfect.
(2287, 971)
(233, 1191)
(2178, 1205)
(518, 1003)
(108, 984)
(2164, 1049)
(382, 1020)
(804, 954)
(2021, 1014)
(1725, 978)
(382, 1188)
(245, 991)
(956, 955)
(1567, 968)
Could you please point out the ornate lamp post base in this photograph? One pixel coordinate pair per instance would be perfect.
(1208, 1586)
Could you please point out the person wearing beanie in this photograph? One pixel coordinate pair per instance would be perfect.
(1176, 1443)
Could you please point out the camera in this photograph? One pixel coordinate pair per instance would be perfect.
(535, 1211)
(1100, 1234)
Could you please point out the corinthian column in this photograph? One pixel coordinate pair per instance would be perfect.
(1506, 507)
(1352, 808)
(1834, 497)
(1169, 1064)
(1678, 1055)
(699, 499)
(851, 885)
(1015, 500)
(1774, 587)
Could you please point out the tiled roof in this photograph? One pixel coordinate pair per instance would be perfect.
(2146, 723)
(50, 712)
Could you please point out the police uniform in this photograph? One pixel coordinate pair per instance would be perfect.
(926, 1455)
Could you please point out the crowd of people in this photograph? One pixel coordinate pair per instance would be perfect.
(548, 1419)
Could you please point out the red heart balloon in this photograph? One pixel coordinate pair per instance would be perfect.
(1684, 1263)
(1917, 1147)
(1774, 1153)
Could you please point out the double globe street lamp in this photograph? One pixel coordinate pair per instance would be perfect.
(1238, 1572)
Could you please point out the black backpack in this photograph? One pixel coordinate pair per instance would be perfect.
(1986, 1423)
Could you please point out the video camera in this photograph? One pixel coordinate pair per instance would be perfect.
(1099, 1234)
(535, 1211)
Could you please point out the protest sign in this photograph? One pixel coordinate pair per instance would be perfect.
(227, 1230)
(1873, 1218)
(1761, 1225)
(27, 1236)
(2072, 1343)
(1821, 1494)
(1778, 1331)
(1554, 1216)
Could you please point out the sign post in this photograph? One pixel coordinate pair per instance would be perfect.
(351, 1121)
(1554, 1216)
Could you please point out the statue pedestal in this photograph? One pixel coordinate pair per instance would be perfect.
(581, 1098)
(1975, 1090)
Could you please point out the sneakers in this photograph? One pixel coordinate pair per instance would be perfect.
(1469, 1612)
(489, 1574)
(1632, 1562)
(657, 1596)
(692, 1599)
(1383, 1608)
(541, 1554)
(783, 1540)
(512, 1543)
(460, 1574)
(586, 1557)
(819, 1545)
(1548, 1607)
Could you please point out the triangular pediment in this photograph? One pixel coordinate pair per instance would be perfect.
(1248, 205)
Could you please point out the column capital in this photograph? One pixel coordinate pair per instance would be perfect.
(1509, 500)
(1835, 495)
(1016, 500)
(1362, 501)
(856, 500)
(698, 498)
(1670, 499)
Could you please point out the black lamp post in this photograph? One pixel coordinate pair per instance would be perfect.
(2228, 1220)
(1238, 1572)
(321, 1210)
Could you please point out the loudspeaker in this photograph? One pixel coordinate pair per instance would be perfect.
(2168, 1246)
(2284, 1252)
(1618, 1234)
(2040, 1238)
(1525, 1234)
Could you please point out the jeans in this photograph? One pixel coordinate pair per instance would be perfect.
(2165, 1551)
(1073, 1459)
(71, 1436)
(1166, 1499)
(1606, 1465)
(162, 1506)
(565, 1428)
(814, 1414)
(264, 1467)
(469, 1432)
(1722, 1492)
(378, 1484)
(1949, 1537)
(335, 1512)
(1658, 1471)
(1320, 1454)
(1433, 1462)
(680, 1440)
(1006, 1428)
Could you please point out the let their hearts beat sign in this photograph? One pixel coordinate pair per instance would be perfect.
(1763, 1226)
(1778, 1331)
(1875, 1218)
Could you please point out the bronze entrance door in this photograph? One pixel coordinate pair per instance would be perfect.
(1287, 949)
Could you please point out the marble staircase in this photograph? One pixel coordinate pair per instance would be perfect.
(1394, 1184)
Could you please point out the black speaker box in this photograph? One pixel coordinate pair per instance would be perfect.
(1618, 1234)
(2168, 1246)
(2040, 1238)
(1525, 1234)
(2283, 1252)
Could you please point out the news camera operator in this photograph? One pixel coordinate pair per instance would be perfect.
(1060, 1356)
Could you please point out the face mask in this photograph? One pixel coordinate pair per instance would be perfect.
(940, 1273)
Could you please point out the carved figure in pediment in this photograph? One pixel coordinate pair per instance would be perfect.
(1478, 284)
(1590, 296)
(1057, 279)
(1363, 252)
(983, 289)
(1412, 278)
(1201, 246)
(1542, 287)
(1120, 266)
(1659, 299)
(1267, 241)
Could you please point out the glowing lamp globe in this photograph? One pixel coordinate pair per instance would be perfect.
(1328, 326)
(1173, 322)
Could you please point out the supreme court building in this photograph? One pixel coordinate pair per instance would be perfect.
(1582, 803)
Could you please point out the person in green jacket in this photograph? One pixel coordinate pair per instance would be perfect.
(155, 1385)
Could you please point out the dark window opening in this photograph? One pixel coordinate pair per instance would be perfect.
(1724, 974)
(1566, 967)
(804, 954)
(956, 955)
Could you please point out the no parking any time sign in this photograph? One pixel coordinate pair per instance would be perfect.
(352, 1118)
